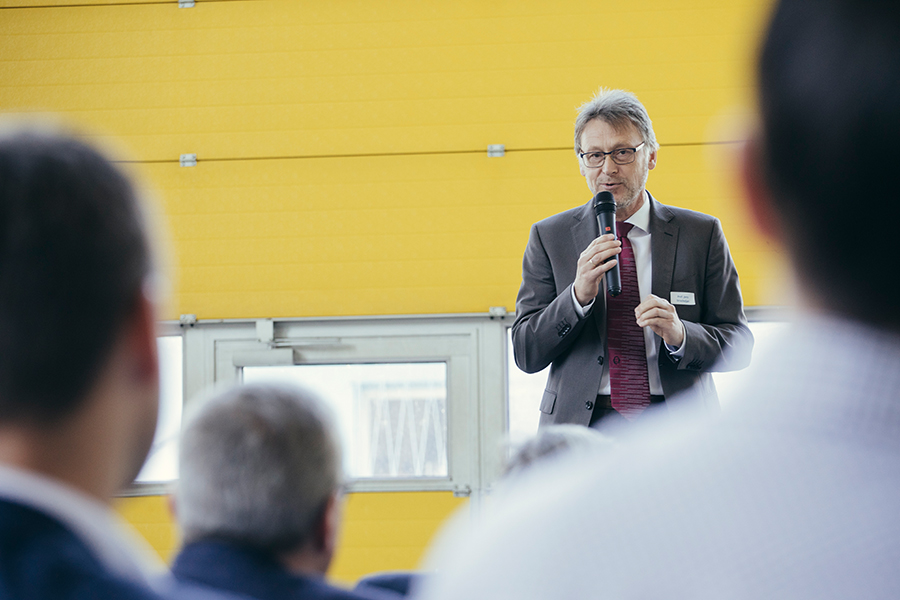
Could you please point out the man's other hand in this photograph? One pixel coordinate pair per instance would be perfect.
(662, 318)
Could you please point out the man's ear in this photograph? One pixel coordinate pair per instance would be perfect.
(142, 339)
(756, 191)
(172, 505)
(327, 531)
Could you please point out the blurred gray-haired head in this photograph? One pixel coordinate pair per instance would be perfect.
(258, 466)
(618, 108)
(553, 440)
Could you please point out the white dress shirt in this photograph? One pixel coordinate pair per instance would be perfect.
(791, 492)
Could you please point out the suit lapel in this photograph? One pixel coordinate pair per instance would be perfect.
(584, 229)
(663, 241)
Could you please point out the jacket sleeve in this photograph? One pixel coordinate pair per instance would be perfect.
(546, 322)
(721, 339)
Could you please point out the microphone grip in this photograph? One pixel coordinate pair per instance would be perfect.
(613, 278)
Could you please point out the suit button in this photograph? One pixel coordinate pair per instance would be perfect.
(589, 405)
(599, 360)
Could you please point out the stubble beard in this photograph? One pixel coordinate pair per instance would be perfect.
(633, 194)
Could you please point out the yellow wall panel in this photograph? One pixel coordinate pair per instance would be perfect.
(18, 4)
(380, 532)
(389, 531)
(151, 517)
(398, 234)
(375, 235)
(284, 78)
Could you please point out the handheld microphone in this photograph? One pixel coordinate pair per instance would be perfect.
(605, 208)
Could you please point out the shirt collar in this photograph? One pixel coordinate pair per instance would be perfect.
(641, 218)
(113, 543)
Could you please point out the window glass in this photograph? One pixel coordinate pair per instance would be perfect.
(525, 390)
(162, 461)
(392, 416)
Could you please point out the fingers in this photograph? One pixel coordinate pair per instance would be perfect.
(592, 264)
(653, 307)
(595, 256)
(662, 318)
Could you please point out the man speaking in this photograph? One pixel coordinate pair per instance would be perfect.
(679, 314)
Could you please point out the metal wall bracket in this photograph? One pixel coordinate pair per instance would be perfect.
(265, 331)
(462, 491)
(496, 150)
(187, 320)
(185, 3)
(188, 160)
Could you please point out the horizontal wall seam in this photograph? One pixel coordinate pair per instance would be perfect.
(389, 154)
(107, 4)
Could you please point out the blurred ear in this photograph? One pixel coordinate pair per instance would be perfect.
(756, 191)
(172, 505)
(142, 340)
(140, 382)
(331, 520)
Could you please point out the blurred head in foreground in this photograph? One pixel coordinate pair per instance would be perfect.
(552, 441)
(79, 373)
(818, 172)
(261, 469)
(78, 364)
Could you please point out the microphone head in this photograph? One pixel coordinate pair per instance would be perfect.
(604, 202)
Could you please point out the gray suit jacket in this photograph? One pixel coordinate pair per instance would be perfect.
(689, 254)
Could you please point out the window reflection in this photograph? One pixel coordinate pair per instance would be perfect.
(392, 416)
(162, 461)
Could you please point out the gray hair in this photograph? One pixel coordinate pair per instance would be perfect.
(258, 466)
(616, 107)
(553, 440)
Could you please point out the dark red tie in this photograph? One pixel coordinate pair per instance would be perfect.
(628, 380)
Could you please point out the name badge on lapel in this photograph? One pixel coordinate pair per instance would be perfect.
(683, 298)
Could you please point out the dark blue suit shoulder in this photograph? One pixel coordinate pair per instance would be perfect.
(40, 558)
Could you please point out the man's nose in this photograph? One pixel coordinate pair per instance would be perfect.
(609, 165)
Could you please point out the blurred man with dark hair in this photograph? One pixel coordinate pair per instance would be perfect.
(258, 497)
(78, 368)
(792, 492)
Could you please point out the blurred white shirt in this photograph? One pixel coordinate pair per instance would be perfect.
(793, 492)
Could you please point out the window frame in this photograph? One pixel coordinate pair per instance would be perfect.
(477, 377)
(472, 345)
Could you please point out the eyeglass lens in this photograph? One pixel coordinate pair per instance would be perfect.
(620, 156)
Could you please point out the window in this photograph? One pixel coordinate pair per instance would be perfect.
(411, 395)
(162, 461)
(392, 416)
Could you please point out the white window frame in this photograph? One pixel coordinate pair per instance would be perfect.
(473, 346)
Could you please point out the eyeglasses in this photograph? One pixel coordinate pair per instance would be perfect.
(620, 156)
